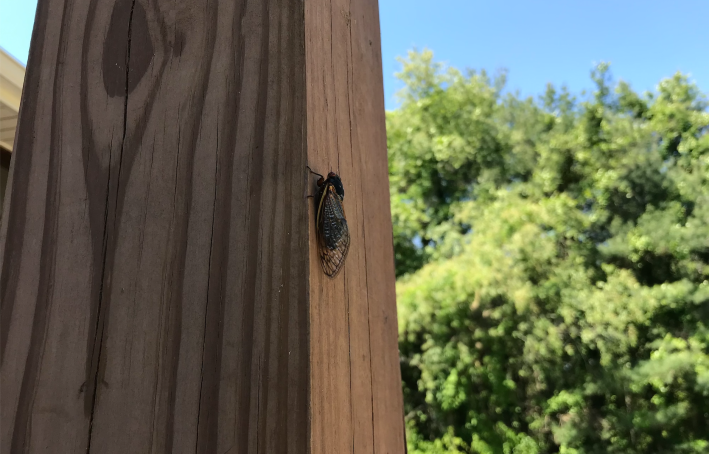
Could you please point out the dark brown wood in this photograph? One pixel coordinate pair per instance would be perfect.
(159, 277)
(5, 158)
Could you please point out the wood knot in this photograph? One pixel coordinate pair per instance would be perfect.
(127, 48)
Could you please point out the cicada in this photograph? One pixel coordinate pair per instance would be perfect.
(333, 235)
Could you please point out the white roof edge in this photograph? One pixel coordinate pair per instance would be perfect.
(12, 69)
(12, 78)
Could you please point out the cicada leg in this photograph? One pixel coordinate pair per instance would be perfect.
(314, 173)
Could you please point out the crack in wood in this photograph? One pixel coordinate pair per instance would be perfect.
(100, 319)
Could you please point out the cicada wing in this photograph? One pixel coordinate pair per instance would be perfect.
(333, 232)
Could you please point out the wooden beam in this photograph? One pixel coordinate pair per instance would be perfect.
(159, 278)
(356, 387)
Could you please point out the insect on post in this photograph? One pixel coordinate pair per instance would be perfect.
(162, 279)
(332, 232)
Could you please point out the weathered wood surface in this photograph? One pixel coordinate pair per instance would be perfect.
(159, 279)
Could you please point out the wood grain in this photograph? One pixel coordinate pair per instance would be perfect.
(356, 385)
(159, 283)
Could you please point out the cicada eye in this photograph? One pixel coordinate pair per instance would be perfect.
(320, 181)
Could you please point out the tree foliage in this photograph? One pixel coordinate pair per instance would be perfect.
(553, 256)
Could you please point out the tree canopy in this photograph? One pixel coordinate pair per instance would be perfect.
(552, 257)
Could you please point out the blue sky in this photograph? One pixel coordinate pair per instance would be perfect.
(537, 41)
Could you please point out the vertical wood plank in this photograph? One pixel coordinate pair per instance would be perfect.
(328, 138)
(368, 93)
(154, 269)
(356, 395)
(161, 291)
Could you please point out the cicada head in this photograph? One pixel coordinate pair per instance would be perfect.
(335, 180)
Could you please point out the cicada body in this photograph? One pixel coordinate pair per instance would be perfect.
(333, 235)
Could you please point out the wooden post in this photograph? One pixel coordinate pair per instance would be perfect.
(160, 285)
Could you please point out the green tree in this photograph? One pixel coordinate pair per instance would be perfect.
(553, 256)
